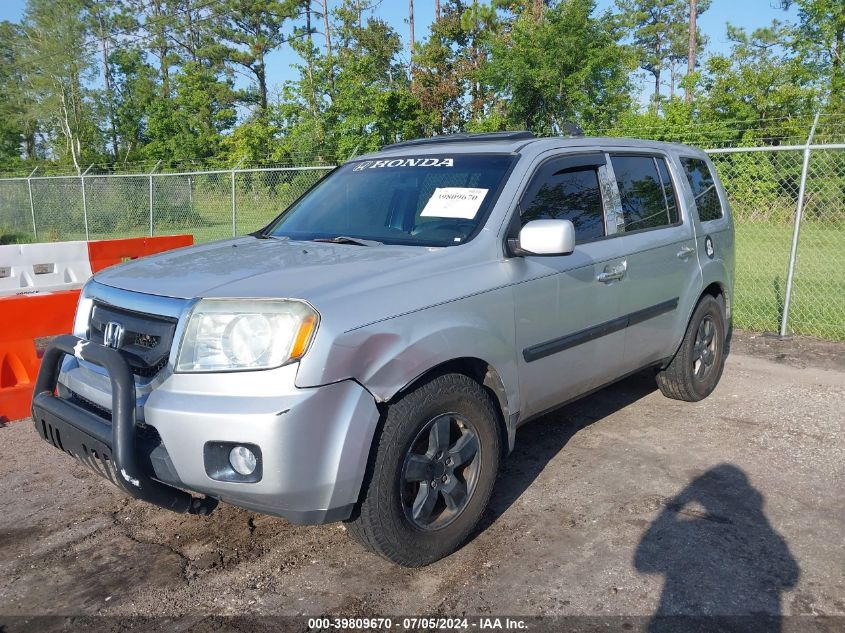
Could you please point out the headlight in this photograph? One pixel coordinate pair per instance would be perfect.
(243, 334)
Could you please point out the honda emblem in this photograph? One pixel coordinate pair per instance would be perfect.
(113, 334)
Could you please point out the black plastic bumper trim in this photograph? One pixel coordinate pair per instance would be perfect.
(118, 438)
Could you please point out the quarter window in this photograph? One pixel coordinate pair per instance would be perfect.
(703, 187)
(564, 192)
(646, 193)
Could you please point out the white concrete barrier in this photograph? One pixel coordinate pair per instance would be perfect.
(34, 268)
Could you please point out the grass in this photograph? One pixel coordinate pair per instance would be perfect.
(818, 293)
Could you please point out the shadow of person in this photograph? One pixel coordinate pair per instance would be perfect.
(725, 565)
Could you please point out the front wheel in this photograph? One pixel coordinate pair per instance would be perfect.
(694, 372)
(432, 474)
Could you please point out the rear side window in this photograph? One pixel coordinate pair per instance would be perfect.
(703, 187)
(645, 191)
(567, 193)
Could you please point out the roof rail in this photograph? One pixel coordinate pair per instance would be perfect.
(465, 138)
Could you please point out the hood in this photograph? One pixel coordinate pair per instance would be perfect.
(250, 267)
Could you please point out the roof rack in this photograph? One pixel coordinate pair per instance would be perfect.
(465, 138)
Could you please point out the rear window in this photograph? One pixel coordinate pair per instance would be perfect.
(703, 187)
(645, 191)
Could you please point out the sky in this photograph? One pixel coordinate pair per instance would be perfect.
(749, 14)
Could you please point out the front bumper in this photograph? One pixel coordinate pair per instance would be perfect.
(314, 442)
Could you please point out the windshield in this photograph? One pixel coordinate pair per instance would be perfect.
(420, 200)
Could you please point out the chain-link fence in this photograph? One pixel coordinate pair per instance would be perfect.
(208, 204)
(763, 183)
(764, 187)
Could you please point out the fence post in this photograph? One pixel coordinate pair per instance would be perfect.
(85, 202)
(151, 196)
(234, 208)
(799, 212)
(31, 205)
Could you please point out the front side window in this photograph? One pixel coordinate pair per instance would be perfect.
(424, 200)
(564, 191)
(703, 189)
(645, 191)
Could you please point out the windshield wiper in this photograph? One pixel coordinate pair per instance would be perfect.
(345, 239)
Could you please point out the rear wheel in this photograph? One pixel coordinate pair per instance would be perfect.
(432, 473)
(695, 370)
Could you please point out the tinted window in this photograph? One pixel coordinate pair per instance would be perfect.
(668, 190)
(417, 200)
(645, 190)
(703, 189)
(567, 194)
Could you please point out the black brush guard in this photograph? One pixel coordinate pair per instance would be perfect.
(109, 449)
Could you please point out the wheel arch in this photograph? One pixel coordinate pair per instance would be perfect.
(717, 290)
(484, 374)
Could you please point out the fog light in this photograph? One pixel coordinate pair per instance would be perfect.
(242, 460)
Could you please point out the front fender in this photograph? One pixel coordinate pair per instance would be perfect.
(388, 355)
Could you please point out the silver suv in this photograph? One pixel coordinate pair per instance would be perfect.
(369, 355)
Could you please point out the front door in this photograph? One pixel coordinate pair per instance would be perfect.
(568, 307)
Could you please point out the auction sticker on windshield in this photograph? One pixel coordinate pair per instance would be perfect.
(454, 202)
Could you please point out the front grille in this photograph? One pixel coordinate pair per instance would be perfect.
(146, 341)
(142, 430)
(90, 406)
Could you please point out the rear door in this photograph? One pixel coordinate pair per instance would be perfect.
(663, 276)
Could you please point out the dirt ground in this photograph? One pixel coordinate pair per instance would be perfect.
(625, 503)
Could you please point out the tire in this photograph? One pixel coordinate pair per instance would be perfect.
(396, 517)
(694, 372)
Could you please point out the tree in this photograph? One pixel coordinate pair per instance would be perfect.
(659, 36)
(17, 123)
(58, 59)
(820, 37)
(371, 101)
(480, 24)
(136, 91)
(301, 117)
(411, 22)
(761, 81)
(440, 78)
(251, 29)
(190, 124)
(692, 44)
(559, 67)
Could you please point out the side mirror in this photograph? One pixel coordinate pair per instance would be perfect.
(544, 237)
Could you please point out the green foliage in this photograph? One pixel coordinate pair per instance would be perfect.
(565, 66)
(9, 237)
(820, 38)
(190, 125)
(250, 30)
(761, 80)
(121, 81)
(441, 75)
(58, 66)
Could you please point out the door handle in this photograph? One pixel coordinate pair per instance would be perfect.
(612, 273)
(685, 252)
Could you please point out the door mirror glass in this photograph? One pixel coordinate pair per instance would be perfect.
(546, 237)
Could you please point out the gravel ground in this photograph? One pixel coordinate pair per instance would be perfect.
(625, 503)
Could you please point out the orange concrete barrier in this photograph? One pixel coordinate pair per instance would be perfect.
(27, 322)
(106, 253)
